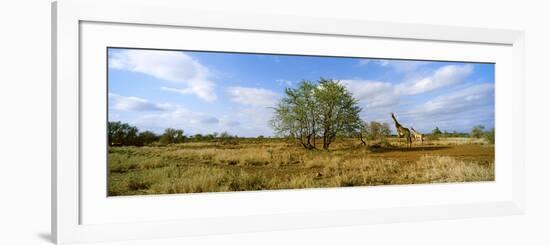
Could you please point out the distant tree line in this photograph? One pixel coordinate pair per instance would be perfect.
(124, 134)
(436, 133)
(476, 132)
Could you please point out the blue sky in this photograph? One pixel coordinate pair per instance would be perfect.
(205, 92)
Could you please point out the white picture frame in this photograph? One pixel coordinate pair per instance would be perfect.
(70, 198)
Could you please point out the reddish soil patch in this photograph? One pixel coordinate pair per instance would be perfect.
(463, 152)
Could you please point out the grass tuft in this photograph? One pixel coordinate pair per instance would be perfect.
(270, 165)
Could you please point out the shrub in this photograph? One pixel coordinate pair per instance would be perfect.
(477, 131)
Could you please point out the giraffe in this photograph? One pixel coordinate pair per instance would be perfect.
(402, 131)
(417, 135)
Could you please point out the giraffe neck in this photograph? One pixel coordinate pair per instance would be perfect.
(397, 125)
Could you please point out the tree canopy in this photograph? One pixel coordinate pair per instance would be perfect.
(122, 134)
(477, 131)
(325, 110)
(374, 131)
(172, 136)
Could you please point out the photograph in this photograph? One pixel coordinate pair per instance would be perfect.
(198, 121)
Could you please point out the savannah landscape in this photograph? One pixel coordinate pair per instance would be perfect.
(224, 132)
(322, 142)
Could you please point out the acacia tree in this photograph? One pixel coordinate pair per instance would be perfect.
(477, 131)
(296, 115)
(339, 112)
(122, 134)
(325, 110)
(172, 136)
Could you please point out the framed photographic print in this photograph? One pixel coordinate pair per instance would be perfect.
(208, 121)
(174, 122)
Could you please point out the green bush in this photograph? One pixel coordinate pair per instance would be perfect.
(477, 132)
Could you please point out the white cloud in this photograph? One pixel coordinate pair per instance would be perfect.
(442, 77)
(169, 66)
(252, 117)
(253, 121)
(373, 94)
(246, 121)
(379, 98)
(249, 120)
(177, 116)
(400, 65)
(460, 101)
(122, 103)
(158, 116)
(257, 97)
(199, 90)
(459, 110)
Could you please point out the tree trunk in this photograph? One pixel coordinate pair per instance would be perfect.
(325, 140)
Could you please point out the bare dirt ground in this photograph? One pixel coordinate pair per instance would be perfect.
(464, 152)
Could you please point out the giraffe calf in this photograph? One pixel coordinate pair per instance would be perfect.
(417, 135)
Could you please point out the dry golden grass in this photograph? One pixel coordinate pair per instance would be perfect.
(460, 141)
(276, 164)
